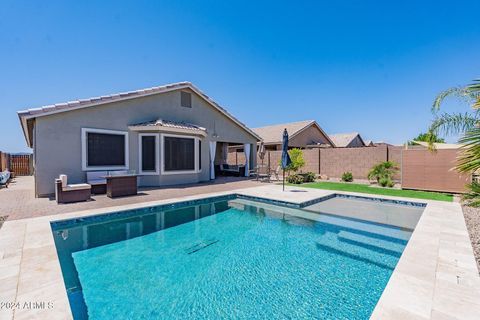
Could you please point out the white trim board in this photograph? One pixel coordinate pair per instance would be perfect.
(157, 154)
(196, 154)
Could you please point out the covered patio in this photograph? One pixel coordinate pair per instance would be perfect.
(225, 163)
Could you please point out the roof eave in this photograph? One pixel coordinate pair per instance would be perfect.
(168, 88)
(23, 123)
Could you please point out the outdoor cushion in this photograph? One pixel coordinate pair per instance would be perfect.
(118, 172)
(96, 177)
(96, 182)
(79, 186)
(231, 168)
(63, 178)
(4, 176)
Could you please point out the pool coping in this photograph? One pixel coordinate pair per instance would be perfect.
(435, 278)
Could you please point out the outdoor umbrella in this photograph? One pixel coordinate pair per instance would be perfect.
(261, 151)
(286, 161)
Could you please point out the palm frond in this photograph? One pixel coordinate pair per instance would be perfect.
(453, 123)
(474, 90)
(468, 94)
(472, 198)
(469, 157)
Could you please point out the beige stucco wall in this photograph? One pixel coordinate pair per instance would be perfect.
(308, 136)
(57, 144)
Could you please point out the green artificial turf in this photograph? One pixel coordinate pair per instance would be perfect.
(363, 188)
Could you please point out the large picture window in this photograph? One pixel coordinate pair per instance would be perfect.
(148, 143)
(180, 154)
(104, 149)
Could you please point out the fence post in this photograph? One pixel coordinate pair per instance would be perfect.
(319, 161)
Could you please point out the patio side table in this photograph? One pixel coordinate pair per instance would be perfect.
(121, 185)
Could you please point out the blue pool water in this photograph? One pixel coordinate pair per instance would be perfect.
(227, 260)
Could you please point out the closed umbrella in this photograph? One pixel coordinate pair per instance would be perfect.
(261, 151)
(286, 161)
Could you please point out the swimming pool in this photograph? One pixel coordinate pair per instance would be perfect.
(231, 257)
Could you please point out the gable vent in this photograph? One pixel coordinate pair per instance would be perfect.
(186, 99)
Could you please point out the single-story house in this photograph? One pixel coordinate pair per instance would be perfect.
(436, 145)
(369, 143)
(347, 140)
(302, 134)
(172, 134)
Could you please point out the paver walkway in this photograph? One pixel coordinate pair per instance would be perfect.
(18, 200)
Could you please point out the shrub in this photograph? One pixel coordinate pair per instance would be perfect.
(383, 181)
(381, 170)
(308, 177)
(386, 182)
(296, 155)
(472, 197)
(347, 176)
(295, 179)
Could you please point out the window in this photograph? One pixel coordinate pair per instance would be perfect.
(180, 154)
(185, 99)
(104, 149)
(148, 153)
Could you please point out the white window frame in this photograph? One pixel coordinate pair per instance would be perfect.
(195, 144)
(157, 154)
(85, 166)
(198, 155)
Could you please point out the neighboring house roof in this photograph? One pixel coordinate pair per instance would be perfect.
(342, 140)
(25, 115)
(369, 143)
(168, 124)
(273, 134)
(440, 145)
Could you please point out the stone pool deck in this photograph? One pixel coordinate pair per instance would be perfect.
(436, 277)
(18, 200)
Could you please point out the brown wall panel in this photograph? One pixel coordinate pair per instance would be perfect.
(426, 170)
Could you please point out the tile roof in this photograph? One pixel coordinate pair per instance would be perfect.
(170, 124)
(343, 139)
(101, 99)
(274, 133)
(24, 115)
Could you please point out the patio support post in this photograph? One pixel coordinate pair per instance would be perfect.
(225, 152)
(246, 148)
(213, 148)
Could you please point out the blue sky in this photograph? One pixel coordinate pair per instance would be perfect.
(367, 66)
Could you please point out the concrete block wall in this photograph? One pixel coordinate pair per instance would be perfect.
(333, 162)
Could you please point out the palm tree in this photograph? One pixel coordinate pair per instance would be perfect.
(467, 123)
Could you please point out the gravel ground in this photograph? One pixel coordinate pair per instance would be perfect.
(472, 218)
